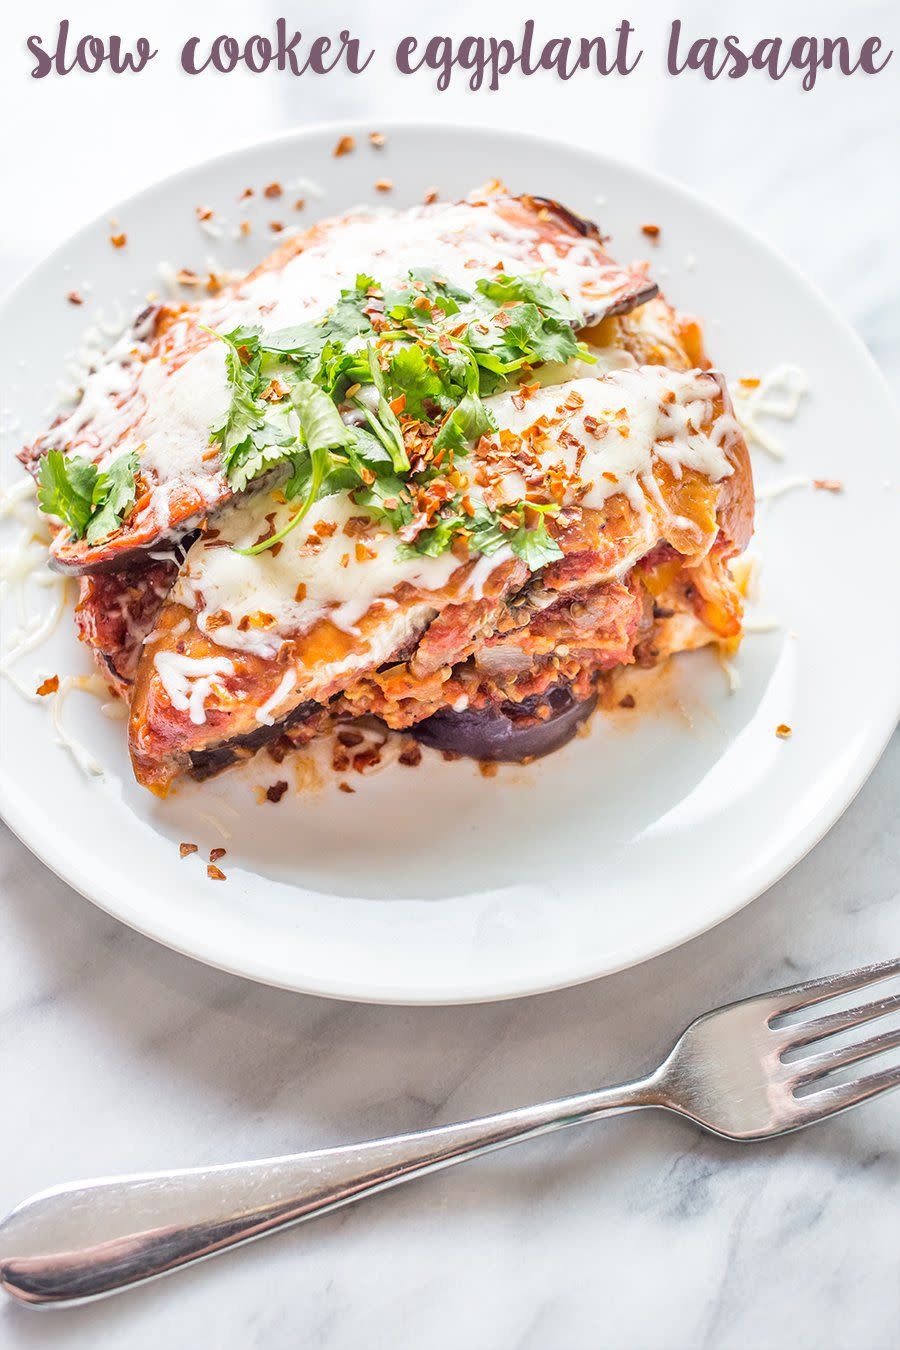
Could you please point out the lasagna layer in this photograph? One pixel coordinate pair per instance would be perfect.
(338, 615)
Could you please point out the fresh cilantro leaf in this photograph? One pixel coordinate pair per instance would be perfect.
(503, 290)
(536, 547)
(469, 420)
(245, 412)
(91, 503)
(410, 374)
(113, 497)
(404, 304)
(65, 489)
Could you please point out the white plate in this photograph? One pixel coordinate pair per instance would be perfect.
(435, 885)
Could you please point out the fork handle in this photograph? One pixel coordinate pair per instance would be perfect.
(78, 1242)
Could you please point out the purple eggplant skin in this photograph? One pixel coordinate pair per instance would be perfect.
(506, 733)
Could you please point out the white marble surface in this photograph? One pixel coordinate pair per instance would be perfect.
(116, 1054)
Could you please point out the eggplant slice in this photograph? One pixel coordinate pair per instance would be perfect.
(508, 732)
(160, 393)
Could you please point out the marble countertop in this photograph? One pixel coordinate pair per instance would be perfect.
(119, 1055)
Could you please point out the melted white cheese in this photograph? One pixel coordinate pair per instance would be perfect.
(636, 425)
(333, 580)
(189, 680)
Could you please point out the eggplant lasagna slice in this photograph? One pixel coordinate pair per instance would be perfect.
(447, 467)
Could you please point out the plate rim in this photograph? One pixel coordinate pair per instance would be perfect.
(16, 809)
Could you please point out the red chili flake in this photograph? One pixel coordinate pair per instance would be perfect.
(828, 484)
(276, 226)
(487, 769)
(203, 212)
(215, 873)
(300, 592)
(299, 203)
(48, 686)
(216, 853)
(376, 139)
(627, 701)
(247, 192)
(345, 146)
(430, 197)
(187, 849)
(245, 227)
(411, 755)
(276, 791)
(272, 190)
(74, 298)
(345, 787)
(364, 554)
(384, 185)
(651, 231)
(118, 240)
(782, 731)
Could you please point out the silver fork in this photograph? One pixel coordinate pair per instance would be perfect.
(727, 1073)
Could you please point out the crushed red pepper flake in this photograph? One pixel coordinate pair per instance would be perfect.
(299, 203)
(216, 853)
(345, 146)
(272, 190)
(203, 212)
(384, 185)
(48, 686)
(276, 226)
(245, 227)
(185, 850)
(431, 196)
(651, 231)
(276, 791)
(376, 139)
(828, 484)
(118, 240)
(345, 787)
(247, 192)
(74, 298)
(215, 873)
(783, 731)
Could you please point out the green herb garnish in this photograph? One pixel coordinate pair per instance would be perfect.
(93, 503)
(337, 404)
